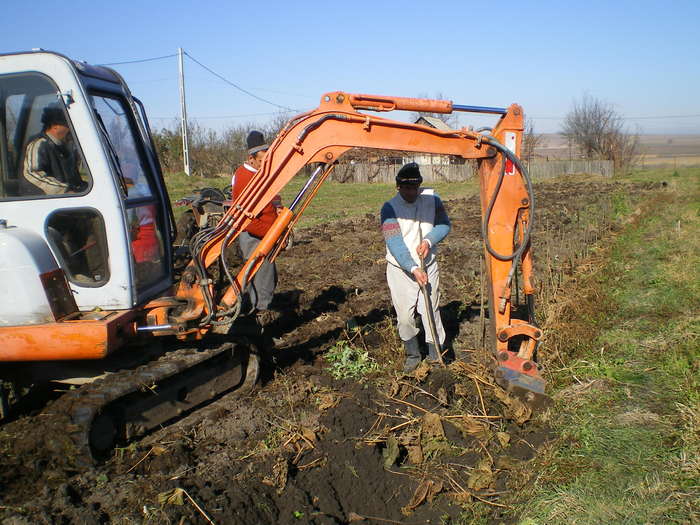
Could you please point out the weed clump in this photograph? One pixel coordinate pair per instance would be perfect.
(350, 362)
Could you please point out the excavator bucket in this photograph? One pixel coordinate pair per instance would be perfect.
(528, 388)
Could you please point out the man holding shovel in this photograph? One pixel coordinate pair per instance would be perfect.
(413, 223)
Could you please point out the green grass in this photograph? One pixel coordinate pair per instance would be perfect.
(627, 410)
(334, 200)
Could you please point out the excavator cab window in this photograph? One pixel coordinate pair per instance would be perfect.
(78, 239)
(139, 194)
(40, 157)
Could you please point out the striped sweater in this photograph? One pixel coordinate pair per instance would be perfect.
(405, 224)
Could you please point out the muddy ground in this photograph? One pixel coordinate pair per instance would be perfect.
(306, 447)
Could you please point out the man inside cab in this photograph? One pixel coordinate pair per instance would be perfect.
(50, 162)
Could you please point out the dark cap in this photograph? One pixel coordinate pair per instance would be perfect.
(53, 114)
(256, 142)
(409, 174)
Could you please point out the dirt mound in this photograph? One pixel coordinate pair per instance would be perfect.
(308, 448)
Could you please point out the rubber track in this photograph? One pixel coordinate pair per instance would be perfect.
(67, 421)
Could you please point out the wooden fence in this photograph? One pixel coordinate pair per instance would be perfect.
(539, 169)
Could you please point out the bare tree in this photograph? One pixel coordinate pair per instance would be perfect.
(211, 152)
(599, 132)
(448, 118)
(531, 141)
(276, 124)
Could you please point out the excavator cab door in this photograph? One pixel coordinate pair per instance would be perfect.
(139, 193)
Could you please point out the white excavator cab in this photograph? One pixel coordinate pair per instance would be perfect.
(78, 170)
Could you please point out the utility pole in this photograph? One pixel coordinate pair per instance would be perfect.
(183, 114)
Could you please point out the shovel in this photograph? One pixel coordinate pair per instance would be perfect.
(431, 317)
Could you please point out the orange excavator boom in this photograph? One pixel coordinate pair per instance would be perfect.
(322, 136)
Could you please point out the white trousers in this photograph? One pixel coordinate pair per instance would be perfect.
(406, 297)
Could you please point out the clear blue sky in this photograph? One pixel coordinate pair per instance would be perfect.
(643, 57)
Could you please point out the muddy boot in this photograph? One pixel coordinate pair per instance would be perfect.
(265, 318)
(432, 353)
(412, 355)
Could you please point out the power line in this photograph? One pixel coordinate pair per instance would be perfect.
(221, 116)
(151, 81)
(236, 86)
(660, 117)
(138, 60)
(277, 92)
(239, 88)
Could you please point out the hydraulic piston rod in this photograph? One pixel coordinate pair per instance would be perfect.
(479, 109)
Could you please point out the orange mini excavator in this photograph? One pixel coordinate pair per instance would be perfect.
(86, 236)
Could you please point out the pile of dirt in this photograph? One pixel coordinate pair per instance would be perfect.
(307, 448)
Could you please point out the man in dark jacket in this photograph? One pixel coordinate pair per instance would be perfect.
(263, 286)
(50, 164)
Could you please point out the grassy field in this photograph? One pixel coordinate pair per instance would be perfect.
(655, 150)
(627, 391)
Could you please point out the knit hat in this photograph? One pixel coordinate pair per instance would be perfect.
(409, 174)
(256, 142)
(53, 114)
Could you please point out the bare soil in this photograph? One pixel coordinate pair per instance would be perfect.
(307, 448)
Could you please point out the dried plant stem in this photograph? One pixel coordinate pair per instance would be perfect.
(455, 484)
(201, 511)
(409, 404)
(487, 501)
(377, 422)
(406, 423)
(464, 491)
(400, 416)
(487, 451)
(309, 465)
(475, 416)
(420, 390)
(382, 519)
(482, 380)
(140, 460)
(481, 398)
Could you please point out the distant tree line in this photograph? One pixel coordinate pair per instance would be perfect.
(211, 152)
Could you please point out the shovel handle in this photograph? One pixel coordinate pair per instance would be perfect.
(431, 317)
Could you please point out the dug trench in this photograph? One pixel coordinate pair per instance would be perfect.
(311, 446)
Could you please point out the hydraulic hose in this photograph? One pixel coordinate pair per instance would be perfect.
(517, 253)
(507, 154)
(235, 311)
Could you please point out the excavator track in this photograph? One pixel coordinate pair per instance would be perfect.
(83, 426)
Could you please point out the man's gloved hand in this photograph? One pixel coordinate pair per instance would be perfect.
(420, 276)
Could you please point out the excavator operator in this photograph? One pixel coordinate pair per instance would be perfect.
(50, 163)
(263, 286)
(413, 223)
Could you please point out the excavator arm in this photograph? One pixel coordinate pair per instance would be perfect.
(322, 136)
